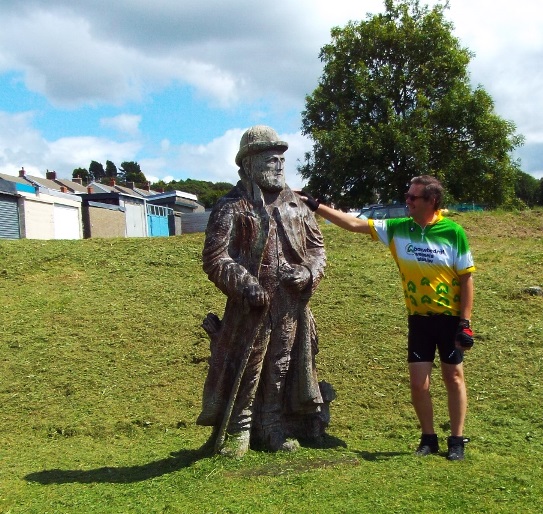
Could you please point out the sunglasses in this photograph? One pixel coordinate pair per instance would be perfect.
(411, 197)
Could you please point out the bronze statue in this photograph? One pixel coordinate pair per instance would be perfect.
(264, 250)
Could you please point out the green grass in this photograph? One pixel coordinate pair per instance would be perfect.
(103, 362)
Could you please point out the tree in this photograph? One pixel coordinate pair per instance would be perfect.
(96, 171)
(81, 173)
(111, 170)
(395, 101)
(527, 189)
(131, 172)
(207, 192)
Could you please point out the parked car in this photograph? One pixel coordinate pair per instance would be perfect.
(381, 212)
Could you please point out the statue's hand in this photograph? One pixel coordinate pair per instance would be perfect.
(295, 276)
(255, 295)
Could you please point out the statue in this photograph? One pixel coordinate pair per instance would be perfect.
(264, 250)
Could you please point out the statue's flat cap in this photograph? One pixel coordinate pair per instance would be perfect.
(258, 139)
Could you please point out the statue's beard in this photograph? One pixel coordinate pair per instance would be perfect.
(271, 181)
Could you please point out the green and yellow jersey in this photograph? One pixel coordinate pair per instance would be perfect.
(430, 260)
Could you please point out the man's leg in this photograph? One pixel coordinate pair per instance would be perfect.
(453, 377)
(419, 376)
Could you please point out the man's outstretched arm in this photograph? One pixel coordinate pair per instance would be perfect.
(341, 219)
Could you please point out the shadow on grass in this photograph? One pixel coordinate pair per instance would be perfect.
(324, 442)
(375, 456)
(120, 475)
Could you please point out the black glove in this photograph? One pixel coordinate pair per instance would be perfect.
(311, 202)
(464, 334)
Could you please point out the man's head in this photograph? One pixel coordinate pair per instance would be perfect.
(426, 189)
(260, 158)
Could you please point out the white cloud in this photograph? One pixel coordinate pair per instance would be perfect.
(23, 146)
(123, 123)
(231, 54)
(74, 152)
(20, 144)
(215, 161)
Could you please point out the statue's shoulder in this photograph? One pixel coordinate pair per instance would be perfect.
(232, 196)
(231, 200)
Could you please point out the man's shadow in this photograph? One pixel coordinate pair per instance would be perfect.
(380, 456)
(123, 474)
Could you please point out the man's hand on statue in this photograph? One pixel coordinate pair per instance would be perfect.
(255, 295)
(311, 202)
(295, 276)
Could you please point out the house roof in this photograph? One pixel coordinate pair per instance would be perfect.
(12, 178)
(44, 182)
(12, 183)
(50, 182)
(175, 197)
(102, 189)
(71, 185)
(130, 191)
(177, 194)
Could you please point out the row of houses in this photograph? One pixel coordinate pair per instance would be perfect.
(52, 208)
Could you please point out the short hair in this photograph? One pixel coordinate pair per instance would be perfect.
(432, 189)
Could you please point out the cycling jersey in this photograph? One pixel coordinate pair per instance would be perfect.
(430, 260)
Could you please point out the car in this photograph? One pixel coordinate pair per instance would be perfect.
(381, 212)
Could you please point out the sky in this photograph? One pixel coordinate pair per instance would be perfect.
(173, 85)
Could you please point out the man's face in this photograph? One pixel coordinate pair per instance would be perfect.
(267, 169)
(416, 202)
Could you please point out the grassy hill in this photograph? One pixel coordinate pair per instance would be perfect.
(103, 362)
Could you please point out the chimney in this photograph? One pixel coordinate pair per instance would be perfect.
(22, 172)
(130, 185)
(78, 180)
(63, 189)
(90, 190)
(148, 186)
(51, 175)
(112, 182)
(161, 190)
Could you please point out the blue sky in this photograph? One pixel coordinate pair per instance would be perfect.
(173, 85)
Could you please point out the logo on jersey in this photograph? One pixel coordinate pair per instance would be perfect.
(423, 254)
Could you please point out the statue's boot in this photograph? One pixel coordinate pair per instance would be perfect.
(236, 445)
(275, 439)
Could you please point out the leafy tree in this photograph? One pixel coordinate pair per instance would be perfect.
(131, 172)
(527, 189)
(111, 170)
(96, 171)
(395, 101)
(82, 173)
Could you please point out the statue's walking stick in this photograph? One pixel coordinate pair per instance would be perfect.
(251, 336)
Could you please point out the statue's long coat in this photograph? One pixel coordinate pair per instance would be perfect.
(236, 239)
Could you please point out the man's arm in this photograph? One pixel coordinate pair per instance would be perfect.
(341, 219)
(464, 334)
(344, 220)
(466, 295)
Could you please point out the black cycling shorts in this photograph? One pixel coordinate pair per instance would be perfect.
(426, 333)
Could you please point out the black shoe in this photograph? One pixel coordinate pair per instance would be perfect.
(456, 448)
(428, 444)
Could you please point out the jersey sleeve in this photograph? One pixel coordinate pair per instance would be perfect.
(384, 230)
(464, 258)
(379, 231)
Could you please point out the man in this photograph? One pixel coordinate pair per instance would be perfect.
(264, 251)
(436, 266)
